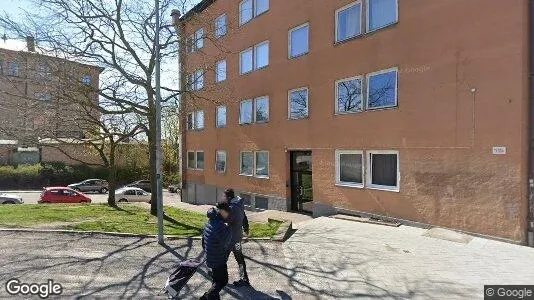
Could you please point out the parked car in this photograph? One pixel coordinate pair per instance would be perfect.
(175, 188)
(91, 185)
(62, 195)
(10, 199)
(142, 184)
(132, 194)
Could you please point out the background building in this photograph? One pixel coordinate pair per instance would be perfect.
(412, 110)
(41, 96)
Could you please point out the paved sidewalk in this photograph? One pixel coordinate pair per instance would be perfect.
(325, 259)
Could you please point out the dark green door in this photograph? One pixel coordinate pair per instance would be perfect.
(301, 181)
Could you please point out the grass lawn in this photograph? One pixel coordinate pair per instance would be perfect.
(101, 217)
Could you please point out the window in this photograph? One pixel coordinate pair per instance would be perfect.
(254, 111)
(381, 13)
(191, 160)
(199, 39)
(261, 166)
(245, 61)
(261, 55)
(220, 161)
(195, 41)
(245, 112)
(249, 9)
(220, 26)
(299, 41)
(298, 103)
(349, 168)
(221, 117)
(348, 21)
(86, 80)
(199, 120)
(245, 11)
(199, 80)
(349, 95)
(13, 69)
(383, 170)
(382, 89)
(46, 97)
(200, 160)
(44, 71)
(247, 163)
(220, 71)
(190, 121)
(195, 120)
(254, 58)
(261, 109)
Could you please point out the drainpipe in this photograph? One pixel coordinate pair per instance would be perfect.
(179, 26)
(530, 220)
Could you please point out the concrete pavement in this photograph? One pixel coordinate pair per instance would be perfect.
(325, 259)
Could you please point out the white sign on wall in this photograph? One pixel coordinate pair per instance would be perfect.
(499, 150)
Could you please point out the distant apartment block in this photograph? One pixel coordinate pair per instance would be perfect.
(408, 110)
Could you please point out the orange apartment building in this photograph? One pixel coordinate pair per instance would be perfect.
(406, 110)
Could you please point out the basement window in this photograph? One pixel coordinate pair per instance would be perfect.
(349, 168)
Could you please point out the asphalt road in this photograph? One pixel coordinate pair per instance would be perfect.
(31, 197)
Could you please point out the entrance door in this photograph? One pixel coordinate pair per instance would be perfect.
(301, 181)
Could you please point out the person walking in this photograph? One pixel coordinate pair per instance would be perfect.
(238, 222)
(216, 242)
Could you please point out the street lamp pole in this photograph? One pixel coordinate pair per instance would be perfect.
(159, 189)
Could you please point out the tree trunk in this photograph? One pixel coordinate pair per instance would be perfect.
(152, 155)
(112, 178)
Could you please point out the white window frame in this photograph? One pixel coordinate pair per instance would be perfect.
(192, 114)
(255, 55)
(254, 13)
(338, 154)
(369, 176)
(336, 16)
(255, 109)
(367, 88)
(289, 101)
(241, 163)
(203, 120)
(289, 46)
(199, 79)
(253, 112)
(217, 71)
(217, 116)
(363, 95)
(195, 155)
(196, 160)
(241, 22)
(199, 39)
(218, 28)
(367, 18)
(225, 161)
(268, 164)
(251, 49)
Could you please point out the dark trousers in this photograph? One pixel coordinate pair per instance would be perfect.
(240, 258)
(220, 280)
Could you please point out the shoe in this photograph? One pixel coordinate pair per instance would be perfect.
(241, 282)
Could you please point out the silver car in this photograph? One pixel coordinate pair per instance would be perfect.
(91, 185)
(10, 199)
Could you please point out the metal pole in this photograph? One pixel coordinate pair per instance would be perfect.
(159, 189)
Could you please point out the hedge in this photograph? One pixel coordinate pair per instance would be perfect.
(57, 174)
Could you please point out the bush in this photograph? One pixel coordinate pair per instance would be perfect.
(173, 178)
(58, 174)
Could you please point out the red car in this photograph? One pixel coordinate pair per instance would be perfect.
(62, 195)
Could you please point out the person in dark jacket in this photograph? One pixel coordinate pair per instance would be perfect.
(238, 222)
(216, 243)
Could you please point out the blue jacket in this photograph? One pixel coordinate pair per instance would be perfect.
(238, 220)
(216, 240)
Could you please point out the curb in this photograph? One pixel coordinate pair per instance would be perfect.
(118, 234)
